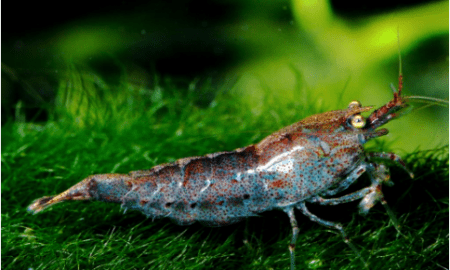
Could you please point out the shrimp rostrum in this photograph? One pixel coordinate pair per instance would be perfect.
(308, 162)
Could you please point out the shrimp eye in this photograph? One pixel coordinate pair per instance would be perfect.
(358, 121)
(354, 104)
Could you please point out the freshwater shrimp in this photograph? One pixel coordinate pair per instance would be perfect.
(307, 162)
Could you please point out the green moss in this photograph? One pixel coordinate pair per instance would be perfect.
(154, 126)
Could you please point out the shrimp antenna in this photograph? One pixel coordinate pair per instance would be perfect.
(429, 100)
(400, 73)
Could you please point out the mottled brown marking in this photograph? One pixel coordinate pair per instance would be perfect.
(143, 202)
(278, 184)
(192, 168)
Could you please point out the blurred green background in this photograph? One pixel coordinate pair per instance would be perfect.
(93, 88)
(87, 62)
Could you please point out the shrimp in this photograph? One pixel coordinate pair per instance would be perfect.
(308, 162)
